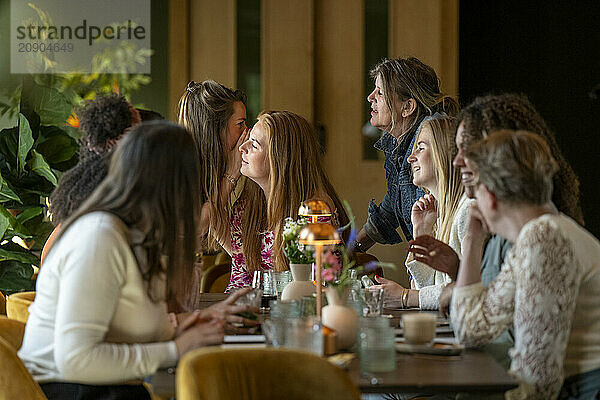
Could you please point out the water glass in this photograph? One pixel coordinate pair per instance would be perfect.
(274, 331)
(373, 302)
(284, 309)
(262, 280)
(252, 298)
(308, 306)
(280, 280)
(376, 345)
(305, 334)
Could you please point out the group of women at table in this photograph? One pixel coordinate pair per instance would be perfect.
(488, 202)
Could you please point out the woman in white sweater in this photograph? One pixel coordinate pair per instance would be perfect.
(549, 284)
(99, 321)
(442, 212)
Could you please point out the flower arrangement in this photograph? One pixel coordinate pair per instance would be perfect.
(338, 263)
(295, 252)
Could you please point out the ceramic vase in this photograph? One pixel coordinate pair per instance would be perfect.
(341, 318)
(301, 285)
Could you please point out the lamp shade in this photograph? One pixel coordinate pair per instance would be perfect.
(314, 208)
(318, 233)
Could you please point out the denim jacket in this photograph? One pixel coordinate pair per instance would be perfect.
(395, 209)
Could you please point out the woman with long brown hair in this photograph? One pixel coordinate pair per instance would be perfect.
(282, 160)
(406, 91)
(215, 115)
(99, 319)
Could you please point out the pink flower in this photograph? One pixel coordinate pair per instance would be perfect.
(328, 275)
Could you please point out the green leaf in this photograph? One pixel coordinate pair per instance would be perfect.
(52, 107)
(58, 148)
(26, 258)
(29, 213)
(25, 141)
(15, 277)
(6, 193)
(4, 221)
(41, 167)
(16, 228)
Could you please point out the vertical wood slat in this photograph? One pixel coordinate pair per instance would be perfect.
(287, 70)
(179, 52)
(213, 41)
(427, 29)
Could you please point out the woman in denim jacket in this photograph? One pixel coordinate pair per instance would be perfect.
(406, 91)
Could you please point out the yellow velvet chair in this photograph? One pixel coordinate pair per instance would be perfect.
(12, 331)
(266, 374)
(2, 304)
(15, 380)
(17, 305)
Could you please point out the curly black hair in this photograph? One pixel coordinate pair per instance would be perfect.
(103, 119)
(514, 111)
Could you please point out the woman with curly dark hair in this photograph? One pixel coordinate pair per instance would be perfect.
(103, 121)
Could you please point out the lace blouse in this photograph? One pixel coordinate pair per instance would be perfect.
(549, 287)
(429, 281)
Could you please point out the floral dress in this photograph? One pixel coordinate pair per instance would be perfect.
(240, 278)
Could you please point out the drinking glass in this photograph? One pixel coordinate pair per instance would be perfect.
(262, 280)
(373, 302)
(376, 345)
(274, 330)
(284, 309)
(280, 280)
(308, 306)
(305, 334)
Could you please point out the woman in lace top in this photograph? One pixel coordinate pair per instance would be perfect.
(282, 160)
(549, 284)
(442, 212)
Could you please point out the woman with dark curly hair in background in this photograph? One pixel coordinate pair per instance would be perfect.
(103, 122)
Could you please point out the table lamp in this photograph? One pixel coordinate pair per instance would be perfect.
(319, 235)
(313, 209)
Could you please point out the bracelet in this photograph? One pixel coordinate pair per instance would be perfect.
(231, 179)
(405, 293)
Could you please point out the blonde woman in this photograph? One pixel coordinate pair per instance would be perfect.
(282, 160)
(441, 213)
(549, 283)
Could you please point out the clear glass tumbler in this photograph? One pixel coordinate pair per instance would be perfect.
(376, 345)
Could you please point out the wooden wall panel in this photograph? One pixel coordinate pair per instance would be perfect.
(427, 29)
(287, 68)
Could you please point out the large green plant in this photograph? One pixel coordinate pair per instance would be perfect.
(32, 155)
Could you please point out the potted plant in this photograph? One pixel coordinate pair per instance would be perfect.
(300, 258)
(32, 155)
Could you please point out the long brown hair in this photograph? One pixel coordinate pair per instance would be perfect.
(409, 78)
(296, 173)
(205, 109)
(153, 186)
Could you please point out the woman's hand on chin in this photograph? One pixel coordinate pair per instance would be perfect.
(423, 215)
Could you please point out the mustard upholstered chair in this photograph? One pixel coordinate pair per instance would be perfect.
(15, 380)
(266, 374)
(215, 278)
(17, 305)
(2, 304)
(12, 331)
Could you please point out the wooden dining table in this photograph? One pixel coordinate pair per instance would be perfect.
(473, 371)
